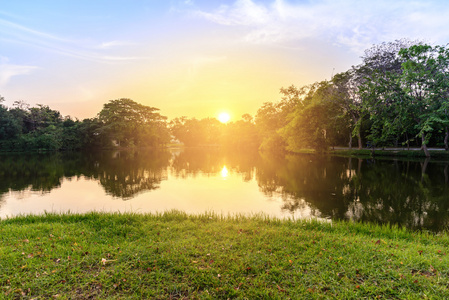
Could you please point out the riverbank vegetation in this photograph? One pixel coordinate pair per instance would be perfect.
(403, 153)
(397, 96)
(208, 256)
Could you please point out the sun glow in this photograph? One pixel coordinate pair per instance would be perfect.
(224, 117)
(224, 172)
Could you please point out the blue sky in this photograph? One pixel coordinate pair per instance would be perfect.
(193, 58)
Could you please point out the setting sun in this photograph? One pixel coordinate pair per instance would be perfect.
(224, 117)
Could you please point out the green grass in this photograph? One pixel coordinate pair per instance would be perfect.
(175, 256)
(390, 153)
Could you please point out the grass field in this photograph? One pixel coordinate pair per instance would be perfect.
(179, 256)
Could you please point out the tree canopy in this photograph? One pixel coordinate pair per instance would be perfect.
(398, 95)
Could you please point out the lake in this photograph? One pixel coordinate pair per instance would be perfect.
(408, 193)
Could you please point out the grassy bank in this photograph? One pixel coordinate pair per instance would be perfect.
(389, 153)
(175, 256)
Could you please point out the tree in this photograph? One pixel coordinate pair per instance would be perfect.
(241, 134)
(20, 112)
(91, 134)
(130, 123)
(383, 100)
(425, 82)
(42, 116)
(314, 121)
(272, 116)
(194, 132)
(346, 98)
(405, 92)
(382, 96)
(9, 127)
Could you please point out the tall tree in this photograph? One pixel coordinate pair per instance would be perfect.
(381, 92)
(9, 127)
(130, 123)
(345, 88)
(314, 121)
(273, 116)
(425, 81)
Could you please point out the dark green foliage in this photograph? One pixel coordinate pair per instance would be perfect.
(25, 128)
(313, 122)
(398, 96)
(129, 123)
(120, 174)
(9, 126)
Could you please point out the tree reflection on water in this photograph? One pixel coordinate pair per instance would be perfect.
(195, 161)
(122, 174)
(125, 174)
(405, 193)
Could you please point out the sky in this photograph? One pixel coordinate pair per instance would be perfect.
(194, 58)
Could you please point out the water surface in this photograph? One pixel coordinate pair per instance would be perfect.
(407, 193)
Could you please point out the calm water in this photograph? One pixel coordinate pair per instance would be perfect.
(414, 194)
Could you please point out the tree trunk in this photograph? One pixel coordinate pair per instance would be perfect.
(359, 139)
(424, 146)
(446, 137)
(357, 124)
(408, 142)
(350, 141)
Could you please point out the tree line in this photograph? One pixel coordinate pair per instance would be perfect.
(122, 122)
(397, 96)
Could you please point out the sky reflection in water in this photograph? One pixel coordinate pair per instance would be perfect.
(407, 193)
(204, 184)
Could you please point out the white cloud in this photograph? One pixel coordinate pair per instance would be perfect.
(351, 23)
(18, 34)
(27, 30)
(7, 71)
(112, 44)
(123, 58)
(242, 12)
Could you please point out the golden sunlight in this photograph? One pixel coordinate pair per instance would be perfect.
(224, 117)
(224, 172)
